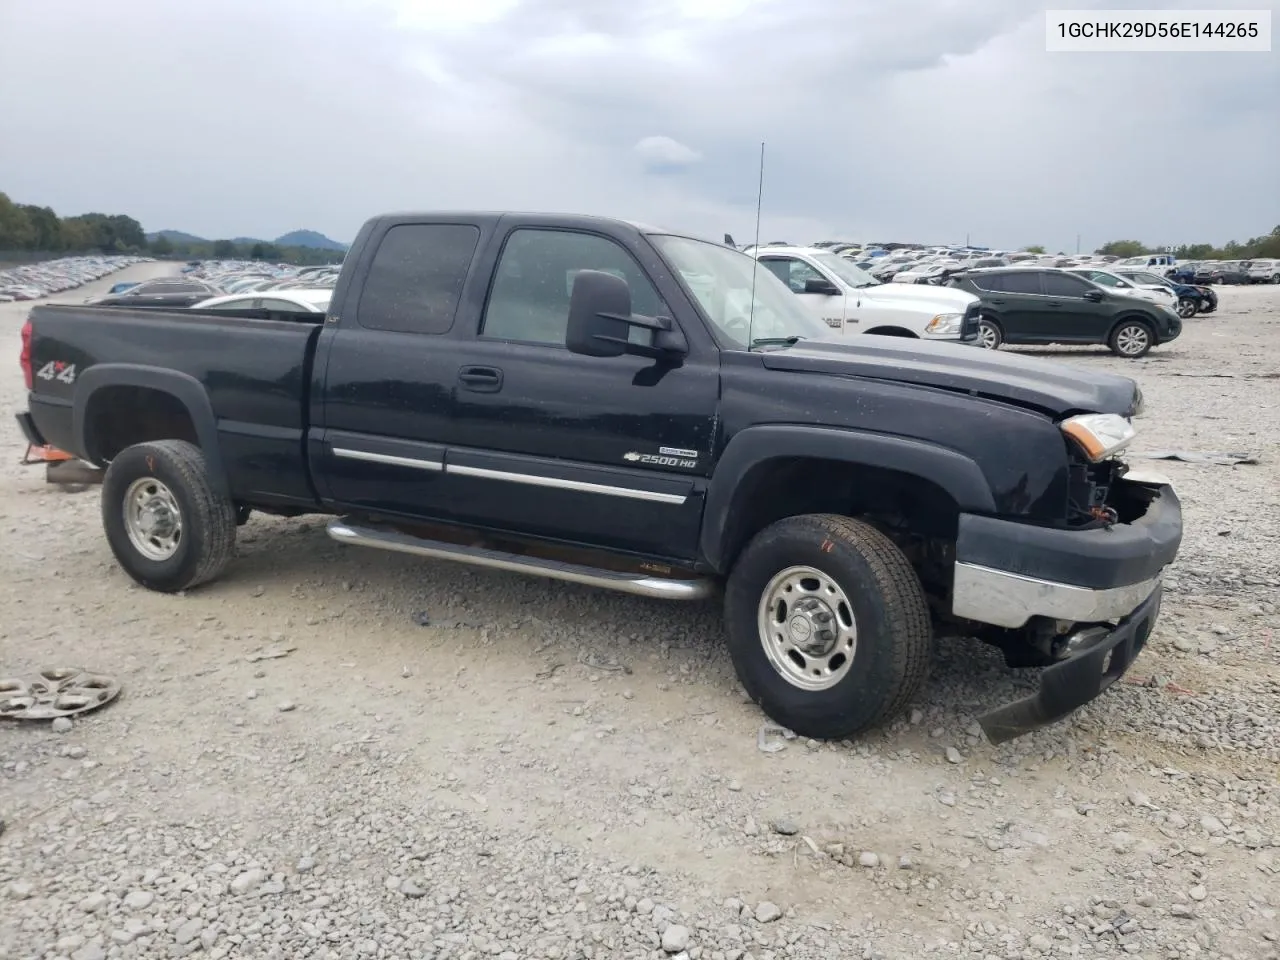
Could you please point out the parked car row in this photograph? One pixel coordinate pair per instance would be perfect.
(35, 280)
(231, 285)
(1128, 309)
(1226, 271)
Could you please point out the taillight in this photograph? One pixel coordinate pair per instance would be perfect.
(27, 373)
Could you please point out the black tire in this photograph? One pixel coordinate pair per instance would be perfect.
(176, 474)
(886, 603)
(1131, 339)
(1275, 278)
(990, 336)
(1187, 308)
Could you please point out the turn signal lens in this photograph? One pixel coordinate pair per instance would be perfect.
(1099, 435)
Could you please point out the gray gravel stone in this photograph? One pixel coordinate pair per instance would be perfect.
(675, 938)
(767, 912)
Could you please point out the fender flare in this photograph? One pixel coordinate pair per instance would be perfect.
(960, 476)
(183, 387)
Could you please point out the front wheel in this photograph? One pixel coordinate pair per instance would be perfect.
(167, 526)
(828, 626)
(1275, 278)
(1187, 308)
(1131, 339)
(989, 335)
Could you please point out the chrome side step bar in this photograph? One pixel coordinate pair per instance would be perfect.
(345, 531)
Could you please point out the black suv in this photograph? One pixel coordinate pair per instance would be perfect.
(1027, 305)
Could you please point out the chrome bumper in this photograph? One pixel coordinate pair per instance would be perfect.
(1009, 600)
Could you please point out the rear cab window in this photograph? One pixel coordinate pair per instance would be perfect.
(416, 278)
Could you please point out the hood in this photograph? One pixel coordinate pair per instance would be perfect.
(1056, 389)
(958, 300)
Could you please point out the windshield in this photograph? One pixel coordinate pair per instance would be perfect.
(720, 280)
(846, 270)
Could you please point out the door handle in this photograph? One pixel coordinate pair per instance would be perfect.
(1000, 302)
(481, 379)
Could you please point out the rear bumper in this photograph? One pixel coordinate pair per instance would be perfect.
(30, 431)
(1095, 660)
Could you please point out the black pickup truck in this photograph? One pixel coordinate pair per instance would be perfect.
(608, 403)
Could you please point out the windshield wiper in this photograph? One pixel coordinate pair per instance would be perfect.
(774, 342)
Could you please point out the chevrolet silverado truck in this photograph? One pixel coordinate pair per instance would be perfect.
(616, 405)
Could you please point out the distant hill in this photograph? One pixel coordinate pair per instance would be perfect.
(175, 236)
(296, 238)
(309, 238)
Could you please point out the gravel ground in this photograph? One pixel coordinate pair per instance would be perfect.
(453, 763)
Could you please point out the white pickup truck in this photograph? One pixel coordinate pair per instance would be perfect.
(850, 300)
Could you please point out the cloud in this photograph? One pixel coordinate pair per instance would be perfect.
(924, 119)
(664, 155)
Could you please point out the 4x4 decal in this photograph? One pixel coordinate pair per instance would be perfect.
(58, 370)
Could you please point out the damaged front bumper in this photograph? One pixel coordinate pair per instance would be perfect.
(1100, 589)
(1095, 658)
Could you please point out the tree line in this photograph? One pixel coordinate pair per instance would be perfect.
(38, 230)
(1265, 248)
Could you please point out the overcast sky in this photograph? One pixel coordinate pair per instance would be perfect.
(920, 120)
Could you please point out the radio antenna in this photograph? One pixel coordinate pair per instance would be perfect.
(755, 251)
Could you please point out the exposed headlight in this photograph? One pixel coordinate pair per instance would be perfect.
(1099, 435)
(945, 325)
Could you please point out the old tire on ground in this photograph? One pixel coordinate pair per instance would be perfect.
(828, 626)
(1187, 308)
(165, 524)
(1131, 339)
(990, 336)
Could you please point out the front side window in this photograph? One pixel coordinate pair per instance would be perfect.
(794, 273)
(533, 283)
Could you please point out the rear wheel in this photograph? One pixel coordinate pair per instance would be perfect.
(167, 526)
(1275, 278)
(1131, 339)
(989, 334)
(828, 626)
(1187, 308)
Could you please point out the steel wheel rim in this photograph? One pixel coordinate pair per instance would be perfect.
(987, 335)
(807, 628)
(1132, 339)
(1186, 309)
(152, 519)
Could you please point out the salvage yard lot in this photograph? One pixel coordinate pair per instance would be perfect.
(460, 763)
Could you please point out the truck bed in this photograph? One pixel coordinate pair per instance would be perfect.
(246, 379)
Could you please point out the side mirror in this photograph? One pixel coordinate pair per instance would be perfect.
(1094, 295)
(600, 321)
(822, 286)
